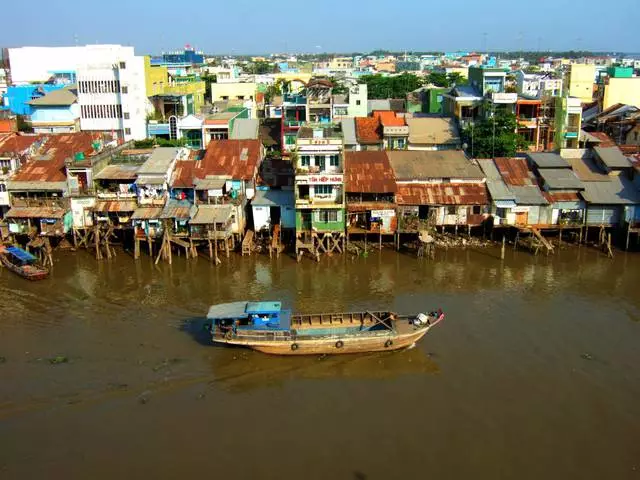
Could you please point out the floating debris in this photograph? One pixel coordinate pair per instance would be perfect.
(58, 360)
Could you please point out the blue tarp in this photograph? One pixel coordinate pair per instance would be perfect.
(21, 254)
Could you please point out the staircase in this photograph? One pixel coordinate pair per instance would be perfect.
(247, 243)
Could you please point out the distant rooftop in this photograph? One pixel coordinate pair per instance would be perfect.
(320, 131)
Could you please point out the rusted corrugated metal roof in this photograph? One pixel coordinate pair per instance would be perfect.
(47, 164)
(36, 212)
(146, 213)
(183, 174)
(14, 144)
(237, 159)
(515, 171)
(442, 194)
(561, 197)
(605, 140)
(369, 172)
(364, 206)
(115, 206)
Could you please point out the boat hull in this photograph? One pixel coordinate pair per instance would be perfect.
(331, 345)
(29, 273)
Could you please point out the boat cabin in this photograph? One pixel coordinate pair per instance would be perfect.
(249, 316)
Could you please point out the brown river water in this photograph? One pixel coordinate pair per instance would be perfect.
(535, 373)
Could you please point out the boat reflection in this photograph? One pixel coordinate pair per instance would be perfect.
(241, 370)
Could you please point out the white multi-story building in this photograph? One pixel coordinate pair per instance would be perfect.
(537, 86)
(113, 98)
(111, 83)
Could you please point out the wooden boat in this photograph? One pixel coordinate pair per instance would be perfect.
(266, 327)
(22, 263)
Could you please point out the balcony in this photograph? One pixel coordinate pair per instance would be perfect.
(106, 195)
(82, 192)
(293, 123)
(504, 97)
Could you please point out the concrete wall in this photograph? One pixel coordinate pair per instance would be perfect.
(622, 90)
(581, 81)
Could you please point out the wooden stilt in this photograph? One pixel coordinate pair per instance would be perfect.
(628, 234)
(136, 247)
(503, 247)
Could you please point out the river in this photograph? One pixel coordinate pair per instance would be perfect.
(105, 371)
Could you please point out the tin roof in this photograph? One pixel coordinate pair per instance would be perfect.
(555, 197)
(528, 195)
(442, 194)
(48, 163)
(560, 179)
(515, 171)
(245, 129)
(61, 97)
(115, 206)
(587, 171)
(210, 214)
(604, 139)
(349, 131)
(368, 172)
(273, 198)
(159, 161)
(178, 209)
(237, 159)
(117, 172)
(227, 310)
(548, 160)
(146, 213)
(433, 131)
(368, 130)
(411, 165)
(14, 144)
(498, 190)
(36, 212)
(619, 190)
(612, 157)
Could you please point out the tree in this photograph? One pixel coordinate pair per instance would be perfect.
(438, 79)
(208, 79)
(380, 87)
(494, 137)
(456, 78)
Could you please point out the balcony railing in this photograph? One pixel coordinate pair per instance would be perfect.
(116, 196)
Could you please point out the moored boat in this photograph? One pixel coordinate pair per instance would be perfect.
(22, 263)
(266, 327)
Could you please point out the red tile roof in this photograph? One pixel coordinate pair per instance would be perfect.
(47, 164)
(237, 159)
(369, 172)
(389, 118)
(442, 194)
(515, 171)
(368, 130)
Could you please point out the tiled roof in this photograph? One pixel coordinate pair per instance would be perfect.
(237, 159)
(368, 172)
(515, 171)
(368, 130)
(389, 118)
(442, 194)
(47, 164)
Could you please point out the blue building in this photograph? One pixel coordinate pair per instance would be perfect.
(188, 57)
(18, 97)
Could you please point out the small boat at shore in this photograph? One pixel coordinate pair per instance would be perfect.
(21, 262)
(266, 327)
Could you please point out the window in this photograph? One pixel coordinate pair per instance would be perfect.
(290, 139)
(451, 210)
(320, 161)
(323, 189)
(127, 131)
(3, 187)
(477, 210)
(123, 65)
(305, 160)
(225, 97)
(334, 160)
(125, 89)
(326, 216)
(358, 102)
(126, 115)
(240, 97)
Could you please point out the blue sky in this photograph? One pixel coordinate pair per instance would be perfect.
(251, 26)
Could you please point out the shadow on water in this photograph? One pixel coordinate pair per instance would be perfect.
(240, 370)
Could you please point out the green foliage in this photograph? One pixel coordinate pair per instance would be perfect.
(208, 80)
(380, 87)
(480, 138)
(339, 88)
(444, 80)
(146, 143)
(259, 68)
(23, 125)
(180, 142)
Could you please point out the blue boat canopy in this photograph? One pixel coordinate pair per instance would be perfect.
(263, 307)
(21, 254)
(227, 310)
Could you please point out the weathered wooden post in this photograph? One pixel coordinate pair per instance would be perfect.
(503, 247)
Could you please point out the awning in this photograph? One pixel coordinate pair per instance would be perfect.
(146, 180)
(505, 204)
(115, 206)
(210, 214)
(36, 212)
(209, 183)
(146, 213)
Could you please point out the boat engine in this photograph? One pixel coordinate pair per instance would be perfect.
(421, 320)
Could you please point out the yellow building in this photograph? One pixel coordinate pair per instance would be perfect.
(341, 63)
(160, 84)
(621, 90)
(243, 91)
(581, 81)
